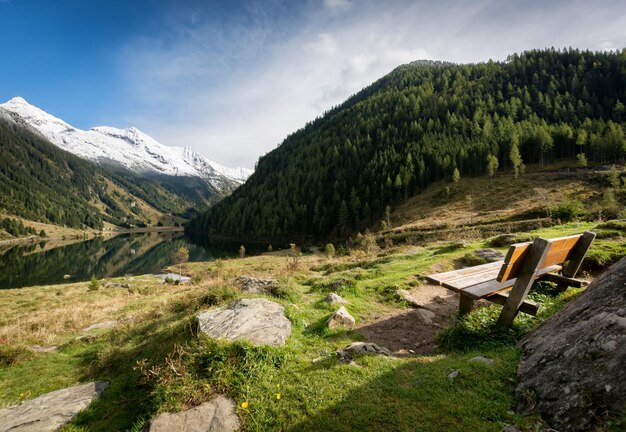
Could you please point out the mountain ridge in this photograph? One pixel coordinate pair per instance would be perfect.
(130, 148)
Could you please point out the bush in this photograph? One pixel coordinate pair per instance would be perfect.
(94, 284)
(568, 211)
(329, 250)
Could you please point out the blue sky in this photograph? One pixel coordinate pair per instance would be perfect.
(232, 78)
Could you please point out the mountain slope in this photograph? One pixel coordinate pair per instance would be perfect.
(128, 148)
(420, 124)
(40, 182)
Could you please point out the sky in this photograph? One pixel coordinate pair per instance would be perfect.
(231, 79)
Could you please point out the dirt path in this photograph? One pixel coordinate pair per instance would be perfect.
(413, 331)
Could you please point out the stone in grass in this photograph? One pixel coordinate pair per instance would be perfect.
(50, 411)
(489, 255)
(333, 298)
(355, 348)
(255, 285)
(217, 415)
(259, 321)
(341, 318)
(454, 375)
(484, 360)
(404, 295)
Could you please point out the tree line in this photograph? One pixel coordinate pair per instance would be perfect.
(423, 123)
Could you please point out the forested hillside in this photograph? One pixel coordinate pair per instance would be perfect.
(40, 182)
(420, 124)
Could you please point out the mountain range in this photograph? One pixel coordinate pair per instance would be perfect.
(129, 148)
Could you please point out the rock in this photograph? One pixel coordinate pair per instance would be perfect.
(404, 295)
(572, 367)
(341, 318)
(255, 285)
(217, 415)
(503, 240)
(50, 411)
(340, 283)
(259, 321)
(510, 428)
(426, 317)
(346, 354)
(174, 277)
(454, 375)
(489, 255)
(67, 276)
(39, 348)
(483, 360)
(105, 324)
(333, 298)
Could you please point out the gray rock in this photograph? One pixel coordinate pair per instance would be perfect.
(489, 255)
(101, 325)
(175, 277)
(259, 321)
(50, 411)
(454, 375)
(346, 354)
(217, 415)
(255, 285)
(333, 299)
(404, 295)
(341, 318)
(45, 349)
(572, 367)
(66, 276)
(484, 360)
(510, 428)
(426, 317)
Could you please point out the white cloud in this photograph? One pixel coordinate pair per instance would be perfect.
(234, 92)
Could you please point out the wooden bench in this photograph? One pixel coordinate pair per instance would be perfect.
(508, 282)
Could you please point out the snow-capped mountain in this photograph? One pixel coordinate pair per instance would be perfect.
(130, 148)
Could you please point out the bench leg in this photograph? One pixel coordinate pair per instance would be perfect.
(561, 287)
(465, 304)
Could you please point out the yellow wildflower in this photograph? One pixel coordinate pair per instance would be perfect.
(278, 396)
(244, 404)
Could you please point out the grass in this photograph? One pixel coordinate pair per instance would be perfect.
(155, 363)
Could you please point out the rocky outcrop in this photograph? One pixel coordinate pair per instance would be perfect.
(217, 415)
(259, 321)
(572, 367)
(50, 411)
(255, 285)
(341, 318)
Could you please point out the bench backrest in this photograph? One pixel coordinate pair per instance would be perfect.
(572, 248)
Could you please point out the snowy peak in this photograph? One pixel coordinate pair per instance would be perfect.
(130, 148)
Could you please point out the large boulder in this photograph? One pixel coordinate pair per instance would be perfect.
(259, 321)
(50, 411)
(573, 367)
(217, 415)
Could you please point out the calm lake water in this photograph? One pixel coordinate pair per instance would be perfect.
(130, 254)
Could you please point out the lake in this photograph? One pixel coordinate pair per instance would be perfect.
(130, 254)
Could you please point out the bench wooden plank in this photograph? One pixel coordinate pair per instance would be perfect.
(487, 288)
(524, 281)
(458, 279)
(528, 306)
(570, 282)
(578, 254)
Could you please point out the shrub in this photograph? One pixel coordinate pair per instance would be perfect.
(329, 250)
(94, 284)
(568, 211)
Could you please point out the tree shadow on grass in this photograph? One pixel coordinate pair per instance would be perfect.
(129, 400)
(418, 396)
